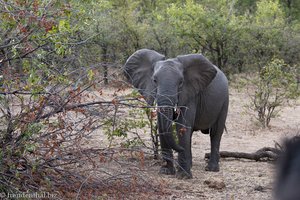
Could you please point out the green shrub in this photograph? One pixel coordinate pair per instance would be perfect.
(273, 86)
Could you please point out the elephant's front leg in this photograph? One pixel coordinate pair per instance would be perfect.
(215, 139)
(185, 157)
(167, 155)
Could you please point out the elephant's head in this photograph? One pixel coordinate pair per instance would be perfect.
(171, 82)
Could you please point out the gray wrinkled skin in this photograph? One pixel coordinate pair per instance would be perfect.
(197, 88)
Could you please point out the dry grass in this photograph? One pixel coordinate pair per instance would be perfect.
(91, 170)
(243, 179)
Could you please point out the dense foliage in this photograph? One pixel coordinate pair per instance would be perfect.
(53, 52)
(236, 35)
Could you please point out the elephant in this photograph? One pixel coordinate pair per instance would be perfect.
(189, 91)
(287, 181)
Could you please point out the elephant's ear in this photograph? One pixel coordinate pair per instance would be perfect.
(138, 70)
(198, 73)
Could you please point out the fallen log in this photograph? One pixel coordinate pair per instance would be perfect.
(263, 154)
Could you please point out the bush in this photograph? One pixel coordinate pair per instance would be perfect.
(274, 85)
(45, 143)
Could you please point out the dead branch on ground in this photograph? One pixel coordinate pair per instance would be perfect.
(263, 154)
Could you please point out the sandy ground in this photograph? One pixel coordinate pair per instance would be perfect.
(243, 179)
(239, 179)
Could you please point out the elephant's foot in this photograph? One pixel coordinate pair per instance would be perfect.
(212, 167)
(167, 169)
(182, 174)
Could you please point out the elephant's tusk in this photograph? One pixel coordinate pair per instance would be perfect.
(175, 108)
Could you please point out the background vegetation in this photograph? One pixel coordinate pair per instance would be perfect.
(54, 53)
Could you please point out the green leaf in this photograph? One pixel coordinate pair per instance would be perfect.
(91, 74)
(64, 26)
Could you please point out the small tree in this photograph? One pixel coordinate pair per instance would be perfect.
(275, 84)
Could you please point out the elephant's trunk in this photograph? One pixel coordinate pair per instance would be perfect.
(165, 117)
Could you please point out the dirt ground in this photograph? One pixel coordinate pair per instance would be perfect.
(237, 179)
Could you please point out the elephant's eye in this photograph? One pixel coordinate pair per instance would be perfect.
(180, 83)
(154, 80)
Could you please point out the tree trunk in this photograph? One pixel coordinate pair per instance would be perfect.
(105, 61)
